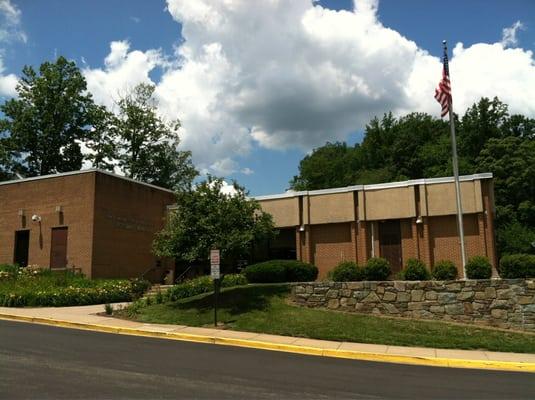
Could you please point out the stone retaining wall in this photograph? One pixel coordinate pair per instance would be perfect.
(503, 303)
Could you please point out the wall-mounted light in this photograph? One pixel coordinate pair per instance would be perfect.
(419, 220)
(36, 218)
(302, 228)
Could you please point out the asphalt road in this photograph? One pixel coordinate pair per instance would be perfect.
(43, 362)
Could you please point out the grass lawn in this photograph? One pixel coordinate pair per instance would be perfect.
(264, 308)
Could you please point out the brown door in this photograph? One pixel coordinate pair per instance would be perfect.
(390, 242)
(22, 244)
(58, 248)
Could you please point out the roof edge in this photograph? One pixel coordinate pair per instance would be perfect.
(377, 186)
(83, 171)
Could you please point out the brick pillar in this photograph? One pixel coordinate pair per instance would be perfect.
(298, 254)
(362, 243)
(481, 231)
(354, 243)
(307, 248)
(426, 242)
(416, 239)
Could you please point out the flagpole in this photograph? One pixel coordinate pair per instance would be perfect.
(455, 163)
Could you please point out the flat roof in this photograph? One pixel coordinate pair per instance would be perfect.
(83, 171)
(378, 186)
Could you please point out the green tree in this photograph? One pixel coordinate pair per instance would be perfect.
(481, 122)
(328, 166)
(101, 140)
(47, 121)
(512, 162)
(147, 145)
(205, 218)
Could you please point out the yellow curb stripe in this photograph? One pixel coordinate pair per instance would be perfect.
(289, 348)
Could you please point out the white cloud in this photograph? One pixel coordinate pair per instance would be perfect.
(8, 82)
(123, 70)
(10, 19)
(10, 30)
(289, 73)
(509, 34)
(246, 171)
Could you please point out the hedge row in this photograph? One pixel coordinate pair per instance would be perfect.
(203, 284)
(378, 269)
(276, 271)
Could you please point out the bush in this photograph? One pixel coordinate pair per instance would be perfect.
(377, 269)
(445, 271)
(108, 308)
(478, 267)
(203, 284)
(276, 271)
(346, 271)
(298, 271)
(267, 272)
(36, 287)
(415, 270)
(517, 266)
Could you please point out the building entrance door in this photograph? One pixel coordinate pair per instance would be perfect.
(58, 248)
(390, 242)
(22, 244)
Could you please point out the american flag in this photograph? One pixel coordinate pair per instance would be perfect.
(443, 91)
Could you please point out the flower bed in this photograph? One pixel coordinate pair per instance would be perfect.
(32, 286)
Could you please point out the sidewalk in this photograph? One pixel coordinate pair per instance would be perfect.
(85, 317)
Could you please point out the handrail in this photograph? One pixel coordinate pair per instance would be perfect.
(142, 276)
(177, 280)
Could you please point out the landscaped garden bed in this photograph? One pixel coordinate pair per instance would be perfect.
(267, 309)
(20, 287)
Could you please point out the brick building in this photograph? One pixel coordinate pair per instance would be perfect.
(397, 221)
(100, 223)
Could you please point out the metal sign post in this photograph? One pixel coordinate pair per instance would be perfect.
(215, 274)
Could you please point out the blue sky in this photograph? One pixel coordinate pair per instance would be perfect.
(266, 85)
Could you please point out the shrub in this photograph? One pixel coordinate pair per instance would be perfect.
(445, 271)
(203, 284)
(298, 271)
(276, 271)
(478, 267)
(108, 308)
(517, 266)
(376, 269)
(139, 287)
(346, 271)
(267, 272)
(415, 270)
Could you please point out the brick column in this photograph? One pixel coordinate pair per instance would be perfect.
(354, 243)
(362, 243)
(307, 249)
(481, 231)
(425, 242)
(298, 244)
(416, 239)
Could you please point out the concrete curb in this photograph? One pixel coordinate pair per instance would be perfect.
(288, 348)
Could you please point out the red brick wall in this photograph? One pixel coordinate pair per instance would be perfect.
(127, 215)
(331, 244)
(445, 244)
(75, 195)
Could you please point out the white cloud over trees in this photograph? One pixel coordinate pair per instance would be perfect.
(289, 73)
